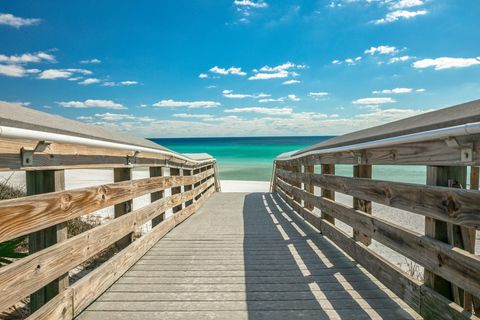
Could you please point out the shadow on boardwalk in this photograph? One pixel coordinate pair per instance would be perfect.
(245, 257)
(293, 272)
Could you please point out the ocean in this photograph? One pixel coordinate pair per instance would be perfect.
(251, 158)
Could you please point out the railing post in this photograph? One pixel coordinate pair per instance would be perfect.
(38, 182)
(123, 174)
(471, 303)
(309, 187)
(329, 194)
(188, 187)
(297, 168)
(175, 190)
(442, 231)
(157, 172)
(362, 171)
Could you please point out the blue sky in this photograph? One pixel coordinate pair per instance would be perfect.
(239, 67)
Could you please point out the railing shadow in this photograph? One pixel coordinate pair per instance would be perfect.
(293, 272)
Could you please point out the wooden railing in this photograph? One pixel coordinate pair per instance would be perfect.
(451, 285)
(43, 214)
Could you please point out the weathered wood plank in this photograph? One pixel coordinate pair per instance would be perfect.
(422, 299)
(123, 208)
(458, 206)
(40, 182)
(68, 156)
(436, 153)
(29, 214)
(60, 307)
(31, 273)
(325, 191)
(362, 171)
(157, 172)
(455, 264)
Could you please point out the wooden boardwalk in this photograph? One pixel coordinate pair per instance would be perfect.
(246, 256)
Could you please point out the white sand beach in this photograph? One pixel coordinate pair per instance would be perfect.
(80, 178)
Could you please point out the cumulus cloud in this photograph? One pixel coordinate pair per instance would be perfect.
(399, 59)
(278, 72)
(17, 71)
(89, 81)
(250, 4)
(402, 4)
(121, 83)
(348, 61)
(232, 70)
(261, 110)
(446, 63)
(189, 104)
(51, 74)
(373, 101)
(317, 95)
(189, 115)
(27, 58)
(91, 61)
(92, 103)
(271, 100)
(394, 91)
(293, 97)
(381, 50)
(122, 116)
(203, 75)
(229, 94)
(289, 82)
(400, 14)
(8, 19)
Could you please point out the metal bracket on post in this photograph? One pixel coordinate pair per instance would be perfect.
(27, 154)
(466, 149)
(132, 159)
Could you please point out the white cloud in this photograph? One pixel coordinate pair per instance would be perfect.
(289, 82)
(381, 50)
(17, 22)
(261, 110)
(250, 4)
(88, 81)
(232, 70)
(189, 104)
(277, 72)
(17, 71)
(420, 90)
(395, 91)
(318, 94)
(203, 75)
(228, 119)
(229, 94)
(91, 61)
(188, 115)
(293, 97)
(61, 73)
(402, 4)
(349, 61)
(27, 58)
(121, 83)
(374, 101)
(400, 14)
(271, 100)
(446, 63)
(399, 59)
(92, 103)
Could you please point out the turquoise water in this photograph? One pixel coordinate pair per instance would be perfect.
(251, 158)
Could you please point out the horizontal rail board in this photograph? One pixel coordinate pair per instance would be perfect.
(458, 206)
(435, 152)
(25, 215)
(31, 273)
(87, 289)
(422, 299)
(454, 264)
(63, 156)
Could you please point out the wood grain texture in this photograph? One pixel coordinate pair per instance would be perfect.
(328, 168)
(428, 303)
(458, 206)
(31, 273)
(29, 214)
(455, 264)
(362, 171)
